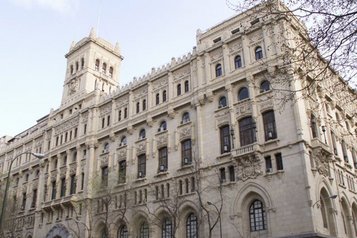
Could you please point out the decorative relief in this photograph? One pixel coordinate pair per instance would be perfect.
(141, 147)
(266, 104)
(122, 153)
(106, 109)
(243, 107)
(73, 86)
(160, 83)
(185, 132)
(321, 160)
(181, 73)
(161, 140)
(236, 46)
(122, 101)
(256, 35)
(140, 93)
(85, 117)
(222, 117)
(104, 160)
(67, 125)
(216, 54)
(249, 167)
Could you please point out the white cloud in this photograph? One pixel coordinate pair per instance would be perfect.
(62, 6)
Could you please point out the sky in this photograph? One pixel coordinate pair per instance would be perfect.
(36, 34)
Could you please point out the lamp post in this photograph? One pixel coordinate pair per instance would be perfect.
(219, 216)
(324, 130)
(38, 156)
(330, 197)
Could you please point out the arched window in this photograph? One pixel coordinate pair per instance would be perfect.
(237, 61)
(163, 126)
(137, 107)
(222, 102)
(142, 134)
(123, 141)
(106, 147)
(104, 233)
(186, 86)
(77, 66)
(167, 228)
(247, 131)
(218, 70)
(104, 68)
(258, 53)
(257, 216)
(178, 89)
(111, 70)
(164, 96)
(82, 63)
(191, 226)
(264, 86)
(125, 112)
(144, 104)
(123, 232)
(119, 115)
(157, 99)
(323, 212)
(243, 93)
(71, 69)
(97, 64)
(185, 117)
(144, 230)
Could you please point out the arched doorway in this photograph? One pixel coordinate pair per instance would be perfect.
(58, 231)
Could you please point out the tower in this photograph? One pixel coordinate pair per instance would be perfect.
(92, 64)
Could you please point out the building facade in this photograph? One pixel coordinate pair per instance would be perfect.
(205, 146)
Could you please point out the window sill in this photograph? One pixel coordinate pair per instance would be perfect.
(161, 174)
(186, 194)
(185, 167)
(140, 180)
(120, 185)
(271, 141)
(224, 155)
(184, 123)
(122, 146)
(221, 108)
(161, 132)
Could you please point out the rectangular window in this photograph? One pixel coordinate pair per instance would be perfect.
(186, 152)
(122, 171)
(105, 172)
(73, 184)
(54, 190)
(82, 181)
(231, 173)
(141, 166)
(108, 120)
(222, 173)
(269, 125)
(247, 131)
(268, 164)
(163, 165)
(225, 139)
(23, 205)
(63, 187)
(344, 151)
(34, 198)
(279, 161)
(84, 129)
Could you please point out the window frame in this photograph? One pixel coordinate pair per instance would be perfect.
(186, 152)
(225, 139)
(238, 62)
(269, 124)
(191, 226)
(243, 93)
(163, 159)
(247, 131)
(258, 52)
(141, 166)
(257, 216)
(218, 70)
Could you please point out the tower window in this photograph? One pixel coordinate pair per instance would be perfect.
(104, 68)
(187, 87)
(82, 63)
(164, 96)
(97, 64)
(269, 125)
(157, 99)
(238, 61)
(178, 89)
(111, 72)
(218, 70)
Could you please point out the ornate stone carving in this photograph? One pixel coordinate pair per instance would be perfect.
(181, 73)
(249, 167)
(236, 46)
(243, 107)
(73, 86)
(85, 117)
(67, 125)
(216, 54)
(141, 147)
(256, 35)
(185, 132)
(140, 93)
(321, 160)
(266, 104)
(160, 83)
(122, 153)
(161, 140)
(104, 159)
(106, 109)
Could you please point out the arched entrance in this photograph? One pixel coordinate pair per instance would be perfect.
(58, 231)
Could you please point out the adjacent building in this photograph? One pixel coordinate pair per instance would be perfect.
(225, 141)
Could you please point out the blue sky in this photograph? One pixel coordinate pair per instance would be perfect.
(36, 34)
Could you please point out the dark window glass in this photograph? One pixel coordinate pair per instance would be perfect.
(123, 141)
(313, 125)
(163, 165)
(269, 125)
(178, 89)
(73, 184)
(164, 96)
(125, 112)
(225, 139)
(222, 102)
(144, 104)
(247, 131)
(243, 93)
(157, 99)
(104, 68)
(122, 171)
(63, 187)
(187, 88)
(257, 216)
(137, 107)
(231, 173)
(144, 230)
(167, 228)
(268, 164)
(264, 86)
(141, 166)
(258, 53)
(185, 117)
(34, 198)
(111, 72)
(218, 70)
(238, 61)
(279, 161)
(142, 134)
(105, 172)
(123, 232)
(222, 172)
(191, 226)
(97, 64)
(344, 151)
(163, 126)
(186, 152)
(119, 115)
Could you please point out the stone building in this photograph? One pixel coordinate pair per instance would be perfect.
(203, 145)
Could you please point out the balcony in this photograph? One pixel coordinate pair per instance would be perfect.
(247, 150)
